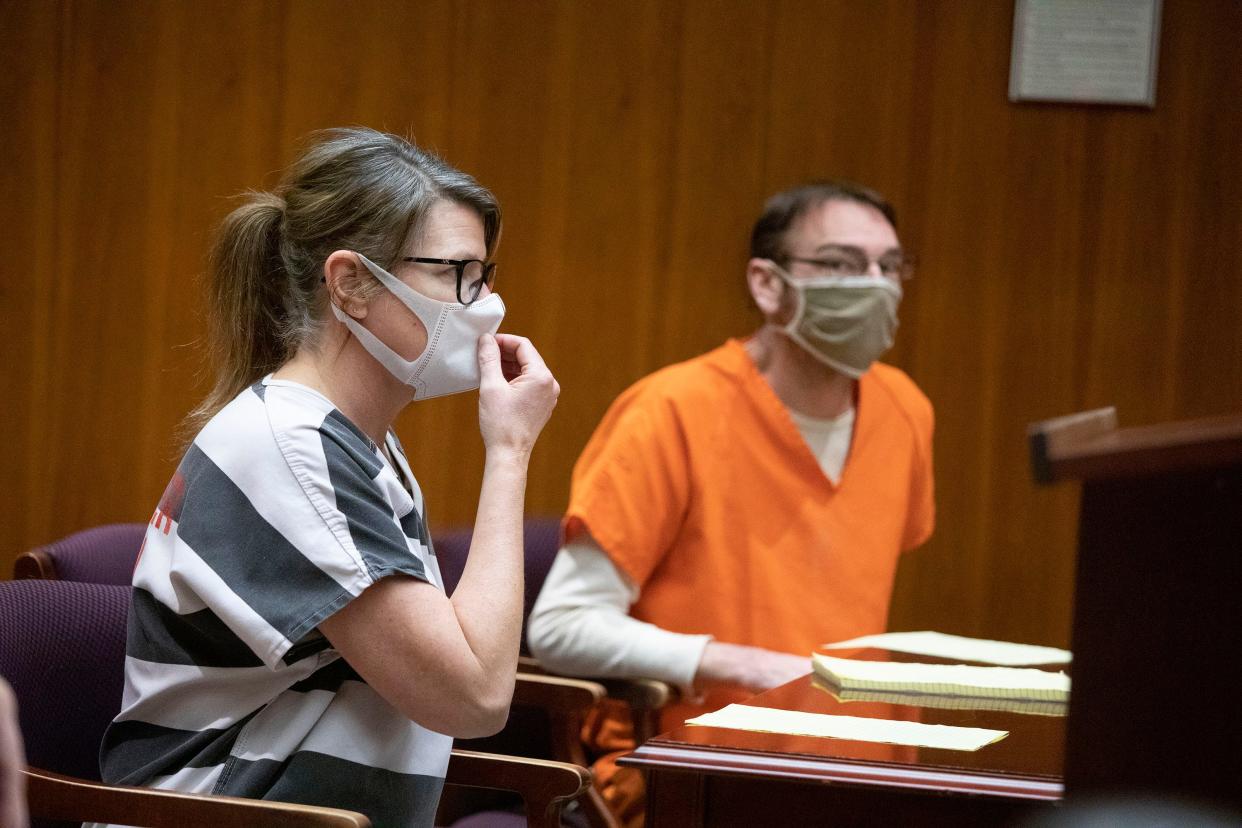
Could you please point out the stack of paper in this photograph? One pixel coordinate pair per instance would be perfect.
(942, 679)
(1037, 707)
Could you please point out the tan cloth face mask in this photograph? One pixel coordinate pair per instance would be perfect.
(846, 322)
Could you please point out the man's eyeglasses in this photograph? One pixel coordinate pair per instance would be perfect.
(472, 275)
(851, 261)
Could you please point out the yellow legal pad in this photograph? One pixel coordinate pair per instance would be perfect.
(1033, 707)
(855, 728)
(943, 679)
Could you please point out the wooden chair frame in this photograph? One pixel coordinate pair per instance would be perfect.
(35, 564)
(53, 796)
(645, 697)
(567, 703)
(545, 786)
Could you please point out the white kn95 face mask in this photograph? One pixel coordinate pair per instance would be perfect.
(449, 363)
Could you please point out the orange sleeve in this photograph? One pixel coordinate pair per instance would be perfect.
(631, 485)
(921, 512)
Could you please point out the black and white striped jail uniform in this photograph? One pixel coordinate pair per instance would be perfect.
(280, 513)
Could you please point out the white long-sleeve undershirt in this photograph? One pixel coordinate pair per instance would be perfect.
(580, 624)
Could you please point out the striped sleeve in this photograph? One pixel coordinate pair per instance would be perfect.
(294, 515)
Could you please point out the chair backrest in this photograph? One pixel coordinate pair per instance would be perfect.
(541, 537)
(62, 645)
(534, 728)
(99, 555)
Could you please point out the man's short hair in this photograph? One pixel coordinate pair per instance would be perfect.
(767, 239)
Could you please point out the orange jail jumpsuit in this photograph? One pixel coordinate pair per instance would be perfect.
(699, 487)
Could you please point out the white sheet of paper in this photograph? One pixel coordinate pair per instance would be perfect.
(946, 679)
(855, 728)
(942, 645)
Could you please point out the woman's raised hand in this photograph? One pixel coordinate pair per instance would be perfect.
(517, 392)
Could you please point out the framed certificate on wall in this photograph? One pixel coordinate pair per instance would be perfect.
(1085, 51)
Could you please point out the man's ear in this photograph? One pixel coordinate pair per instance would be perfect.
(766, 287)
(345, 276)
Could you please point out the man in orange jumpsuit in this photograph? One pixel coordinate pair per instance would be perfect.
(735, 511)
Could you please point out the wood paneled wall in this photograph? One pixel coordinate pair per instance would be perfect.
(1072, 256)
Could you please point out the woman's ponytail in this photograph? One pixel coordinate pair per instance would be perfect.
(247, 284)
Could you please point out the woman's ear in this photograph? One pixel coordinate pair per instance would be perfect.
(345, 276)
(766, 286)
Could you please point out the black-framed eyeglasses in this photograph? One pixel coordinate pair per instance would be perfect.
(472, 275)
(852, 261)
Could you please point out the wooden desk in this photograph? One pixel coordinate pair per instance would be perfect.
(709, 776)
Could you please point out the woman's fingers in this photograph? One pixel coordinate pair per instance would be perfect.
(513, 410)
(518, 350)
(491, 361)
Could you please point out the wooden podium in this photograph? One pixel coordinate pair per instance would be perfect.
(1157, 635)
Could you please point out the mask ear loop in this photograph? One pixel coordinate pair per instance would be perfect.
(336, 302)
(787, 283)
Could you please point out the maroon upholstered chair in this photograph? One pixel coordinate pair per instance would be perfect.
(99, 555)
(62, 648)
(56, 632)
(541, 538)
(542, 730)
(545, 720)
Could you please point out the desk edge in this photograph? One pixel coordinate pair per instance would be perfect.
(700, 760)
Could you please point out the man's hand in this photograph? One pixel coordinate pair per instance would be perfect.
(753, 668)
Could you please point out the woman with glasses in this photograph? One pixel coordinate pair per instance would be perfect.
(290, 638)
